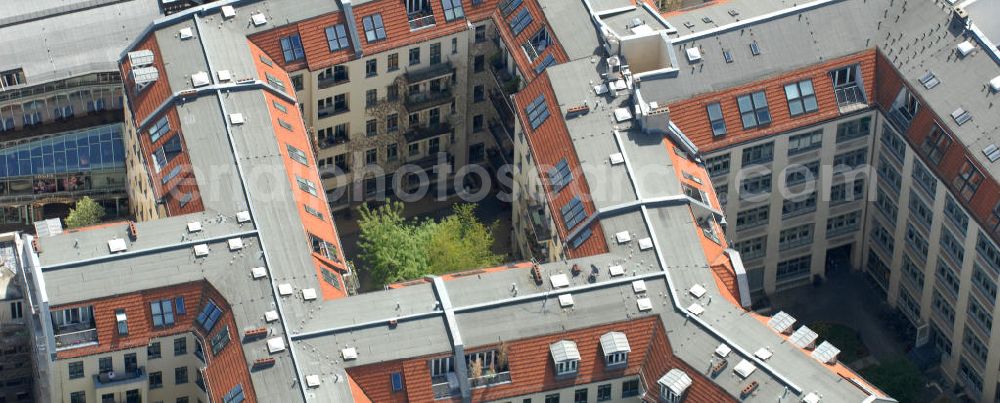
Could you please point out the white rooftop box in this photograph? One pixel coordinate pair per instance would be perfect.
(243, 216)
(258, 272)
(285, 289)
(258, 19)
(644, 304)
(349, 353)
(236, 118)
(201, 250)
(696, 308)
(235, 244)
(199, 79)
(965, 48)
(616, 270)
(275, 345)
(617, 158)
(645, 243)
(308, 294)
(623, 237)
(995, 84)
(723, 350)
(638, 286)
(693, 54)
(312, 381)
(224, 75)
(559, 281)
(271, 316)
(186, 33)
(228, 11)
(744, 368)
(194, 226)
(566, 300)
(117, 245)
(697, 290)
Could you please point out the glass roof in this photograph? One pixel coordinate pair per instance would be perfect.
(94, 148)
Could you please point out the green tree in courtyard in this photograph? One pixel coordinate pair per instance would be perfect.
(87, 212)
(394, 248)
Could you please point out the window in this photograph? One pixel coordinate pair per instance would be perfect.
(313, 212)
(560, 175)
(161, 127)
(297, 155)
(414, 149)
(374, 30)
(435, 57)
(235, 395)
(798, 206)
(480, 33)
(479, 64)
(371, 98)
(371, 156)
(753, 109)
(980, 315)
(924, 178)
(916, 241)
(537, 111)
(371, 67)
(841, 192)
(336, 37)
(414, 56)
(155, 380)
(76, 370)
(889, 173)
(180, 375)
(179, 306)
(567, 367)
(104, 365)
(854, 129)
(630, 388)
(881, 237)
(580, 396)
(78, 397)
(604, 392)
(752, 217)
(755, 186)
(166, 153)
(987, 251)
(877, 269)
(508, 6)
(799, 173)
(919, 211)
(984, 283)
(209, 315)
(16, 310)
(801, 143)
(122, 322)
(717, 165)
(452, 9)
(393, 63)
(220, 340)
(794, 268)
(801, 98)
(392, 123)
(795, 236)
(291, 48)
(11, 78)
(886, 205)
(936, 144)
(537, 44)
(153, 350)
(552, 398)
(913, 273)
(968, 180)
(521, 21)
(306, 185)
(573, 212)
(752, 248)
(759, 154)
(715, 117)
(180, 346)
(893, 143)
(478, 93)
(477, 123)
(279, 106)
(956, 214)
(951, 246)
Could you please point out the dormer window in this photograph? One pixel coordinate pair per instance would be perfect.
(122, 322)
(615, 347)
(566, 357)
(673, 385)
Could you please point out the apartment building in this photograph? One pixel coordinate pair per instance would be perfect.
(61, 107)
(864, 125)
(15, 354)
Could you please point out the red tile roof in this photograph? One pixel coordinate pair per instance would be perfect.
(524, 65)
(145, 102)
(691, 117)
(549, 144)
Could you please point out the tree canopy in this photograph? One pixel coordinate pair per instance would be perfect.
(87, 212)
(395, 249)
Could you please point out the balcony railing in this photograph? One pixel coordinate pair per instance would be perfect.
(490, 380)
(426, 99)
(332, 171)
(539, 222)
(332, 110)
(116, 378)
(422, 132)
(850, 95)
(420, 19)
(447, 386)
(426, 73)
(328, 142)
(331, 81)
(76, 338)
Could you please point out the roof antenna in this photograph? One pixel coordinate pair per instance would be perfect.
(76, 243)
(513, 289)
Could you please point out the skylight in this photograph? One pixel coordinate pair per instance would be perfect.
(209, 316)
(521, 21)
(546, 62)
(560, 175)
(572, 212)
(374, 30)
(537, 111)
(582, 237)
(336, 37)
(929, 80)
(508, 6)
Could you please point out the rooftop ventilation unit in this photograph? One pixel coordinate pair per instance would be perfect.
(995, 84)
(754, 48)
(243, 216)
(559, 281)
(349, 353)
(199, 79)
(224, 75)
(309, 294)
(622, 114)
(194, 226)
(623, 237)
(616, 270)
(763, 353)
(236, 118)
(639, 286)
(566, 300)
(992, 152)
(697, 291)
(270, 316)
(258, 272)
(285, 289)
(258, 19)
(228, 12)
(201, 250)
(312, 381)
(804, 337)
(961, 116)
(645, 243)
(693, 54)
(186, 33)
(117, 245)
(275, 345)
(781, 322)
(144, 76)
(696, 309)
(723, 350)
(644, 304)
(929, 80)
(826, 353)
(811, 397)
(235, 244)
(965, 48)
(744, 369)
(141, 58)
(617, 158)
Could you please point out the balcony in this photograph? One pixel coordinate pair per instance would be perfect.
(420, 19)
(416, 133)
(115, 378)
(331, 141)
(428, 99)
(850, 98)
(429, 72)
(539, 223)
(328, 82)
(333, 171)
(446, 386)
(76, 336)
(332, 110)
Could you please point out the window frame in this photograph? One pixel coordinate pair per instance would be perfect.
(758, 109)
